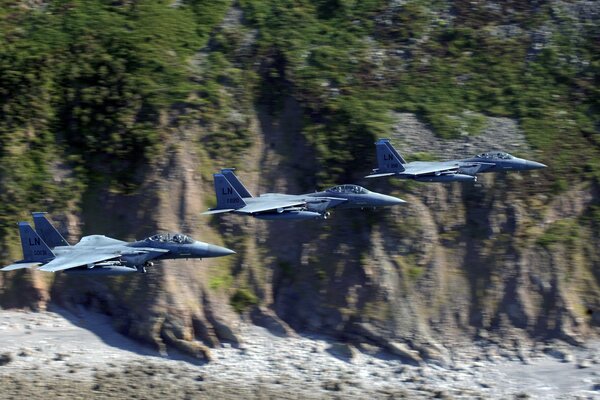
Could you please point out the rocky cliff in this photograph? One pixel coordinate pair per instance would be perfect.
(495, 260)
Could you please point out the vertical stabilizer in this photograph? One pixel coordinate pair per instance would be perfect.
(388, 159)
(47, 232)
(235, 182)
(34, 248)
(227, 196)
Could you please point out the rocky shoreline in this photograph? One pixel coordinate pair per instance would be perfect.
(55, 355)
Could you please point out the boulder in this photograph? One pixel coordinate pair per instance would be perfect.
(402, 350)
(343, 351)
(5, 358)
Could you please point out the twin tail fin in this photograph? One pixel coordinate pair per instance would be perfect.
(388, 159)
(34, 248)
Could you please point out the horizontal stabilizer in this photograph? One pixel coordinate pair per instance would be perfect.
(221, 211)
(20, 265)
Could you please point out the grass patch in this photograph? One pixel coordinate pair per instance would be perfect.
(242, 299)
(563, 231)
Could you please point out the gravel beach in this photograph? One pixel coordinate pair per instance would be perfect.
(57, 354)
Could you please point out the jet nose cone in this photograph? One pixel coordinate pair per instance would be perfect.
(391, 200)
(217, 251)
(535, 165)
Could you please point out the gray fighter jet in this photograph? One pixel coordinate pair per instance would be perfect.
(232, 196)
(101, 255)
(391, 163)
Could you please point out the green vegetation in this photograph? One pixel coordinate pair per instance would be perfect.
(83, 85)
(243, 299)
(91, 87)
(563, 231)
(336, 62)
(409, 266)
(415, 272)
(224, 280)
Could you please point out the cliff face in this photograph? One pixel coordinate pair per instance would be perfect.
(490, 260)
(458, 262)
(514, 256)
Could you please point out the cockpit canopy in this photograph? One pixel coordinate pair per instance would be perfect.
(348, 189)
(171, 238)
(496, 155)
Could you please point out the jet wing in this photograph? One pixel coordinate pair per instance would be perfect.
(75, 259)
(269, 205)
(428, 169)
(380, 175)
(223, 210)
(20, 265)
(99, 240)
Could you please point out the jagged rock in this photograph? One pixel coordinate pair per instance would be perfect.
(193, 348)
(568, 358)
(522, 396)
(25, 352)
(334, 386)
(318, 348)
(368, 348)
(441, 394)
(5, 358)
(436, 354)
(402, 350)
(584, 364)
(266, 318)
(344, 351)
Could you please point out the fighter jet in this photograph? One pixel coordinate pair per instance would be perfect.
(102, 255)
(391, 163)
(232, 196)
